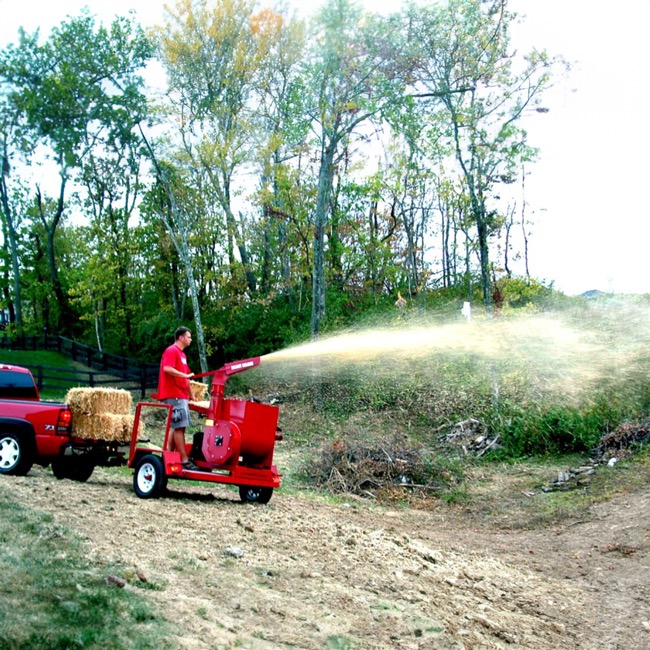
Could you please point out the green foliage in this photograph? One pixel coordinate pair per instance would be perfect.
(156, 333)
(265, 114)
(553, 430)
(59, 86)
(67, 100)
(524, 292)
(254, 328)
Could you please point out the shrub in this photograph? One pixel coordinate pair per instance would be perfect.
(553, 429)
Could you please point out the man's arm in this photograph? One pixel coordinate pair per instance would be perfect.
(170, 370)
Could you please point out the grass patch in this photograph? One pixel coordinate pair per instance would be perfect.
(337, 642)
(53, 596)
(36, 358)
(509, 495)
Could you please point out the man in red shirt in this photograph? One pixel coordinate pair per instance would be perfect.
(174, 389)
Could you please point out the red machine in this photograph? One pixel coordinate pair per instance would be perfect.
(236, 446)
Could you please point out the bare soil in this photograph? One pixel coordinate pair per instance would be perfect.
(305, 572)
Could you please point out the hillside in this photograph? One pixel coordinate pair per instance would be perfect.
(305, 572)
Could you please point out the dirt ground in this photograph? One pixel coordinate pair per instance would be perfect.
(303, 572)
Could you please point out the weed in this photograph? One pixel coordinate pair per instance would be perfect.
(340, 643)
(456, 496)
(384, 606)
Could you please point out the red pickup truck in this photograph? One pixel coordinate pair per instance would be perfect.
(33, 431)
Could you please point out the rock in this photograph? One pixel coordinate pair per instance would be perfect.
(233, 551)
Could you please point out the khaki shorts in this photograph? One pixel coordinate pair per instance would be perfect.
(180, 412)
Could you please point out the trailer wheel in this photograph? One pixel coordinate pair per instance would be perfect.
(74, 468)
(149, 479)
(15, 456)
(255, 494)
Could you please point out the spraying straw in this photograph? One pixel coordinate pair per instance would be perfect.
(564, 354)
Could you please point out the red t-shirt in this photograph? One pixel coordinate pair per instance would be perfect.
(169, 385)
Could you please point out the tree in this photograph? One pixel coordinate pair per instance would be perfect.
(464, 56)
(9, 207)
(347, 83)
(176, 224)
(283, 129)
(76, 92)
(113, 188)
(212, 59)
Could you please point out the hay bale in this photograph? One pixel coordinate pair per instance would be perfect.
(111, 427)
(198, 391)
(101, 414)
(94, 401)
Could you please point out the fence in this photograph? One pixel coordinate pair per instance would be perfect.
(104, 368)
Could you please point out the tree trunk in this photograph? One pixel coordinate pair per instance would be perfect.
(523, 220)
(63, 311)
(478, 209)
(13, 250)
(233, 229)
(480, 221)
(179, 238)
(325, 178)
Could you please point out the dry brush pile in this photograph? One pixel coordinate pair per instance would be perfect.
(390, 469)
(624, 440)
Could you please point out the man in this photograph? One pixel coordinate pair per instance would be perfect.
(174, 389)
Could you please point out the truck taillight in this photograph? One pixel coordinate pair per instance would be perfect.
(65, 420)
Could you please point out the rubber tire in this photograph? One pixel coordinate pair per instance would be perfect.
(149, 478)
(75, 468)
(255, 494)
(15, 456)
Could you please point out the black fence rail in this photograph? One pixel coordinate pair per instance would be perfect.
(64, 378)
(104, 368)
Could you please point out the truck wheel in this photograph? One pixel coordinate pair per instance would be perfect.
(255, 494)
(75, 468)
(15, 456)
(149, 478)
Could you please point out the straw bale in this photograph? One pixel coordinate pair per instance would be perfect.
(200, 407)
(93, 401)
(111, 427)
(198, 391)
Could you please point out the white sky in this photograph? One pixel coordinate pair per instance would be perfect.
(586, 195)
